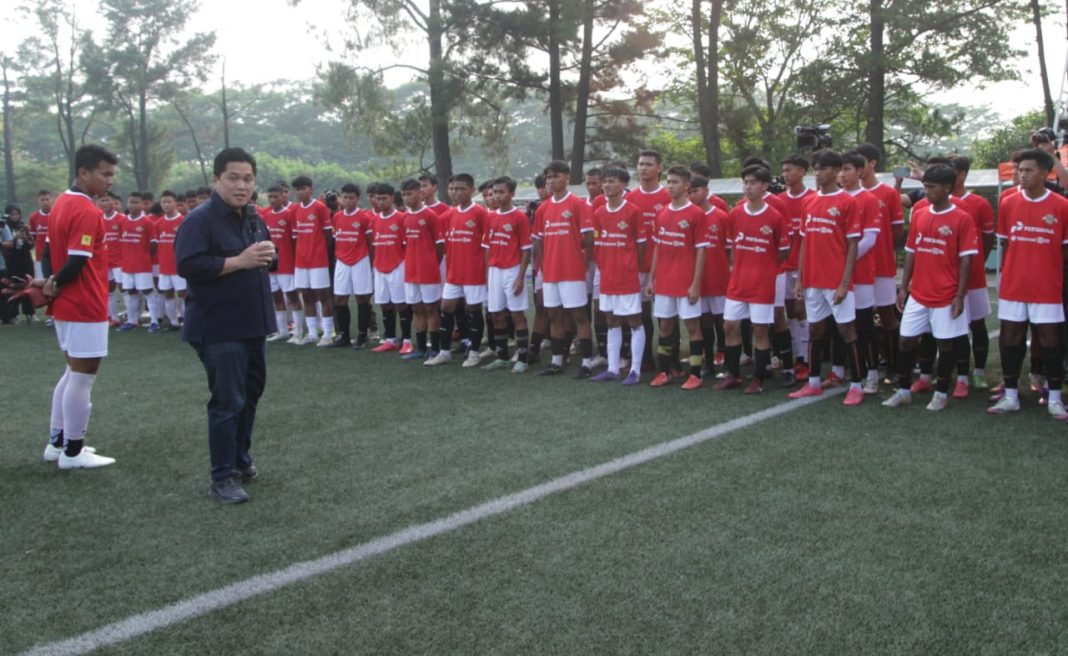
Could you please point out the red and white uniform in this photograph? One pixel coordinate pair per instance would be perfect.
(830, 220)
(280, 226)
(756, 238)
(982, 213)
(352, 237)
(311, 222)
(388, 239)
(438, 208)
(717, 263)
(560, 226)
(864, 271)
(795, 214)
(1036, 231)
(937, 241)
(423, 234)
(719, 203)
(679, 233)
(617, 233)
(113, 244)
(650, 203)
(890, 214)
(465, 260)
(135, 236)
(166, 232)
(507, 237)
(38, 225)
(81, 309)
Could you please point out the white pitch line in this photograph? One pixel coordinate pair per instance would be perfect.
(144, 623)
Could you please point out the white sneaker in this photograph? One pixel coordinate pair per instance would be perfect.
(52, 454)
(307, 339)
(279, 337)
(294, 339)
(474, 359)
(546, 345)
(745, 360)
(439, 359)
(84, 460)
(488, 352)
(598, 361)
(938, 402)
(901, 397)
(1057, 411)
(515, 357)
(327, 340)
(1004, 405)
(776, 362)
(871, 386)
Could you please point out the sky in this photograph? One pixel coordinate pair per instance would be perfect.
(267, 40)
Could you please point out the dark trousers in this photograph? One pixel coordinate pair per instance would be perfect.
(237, 374)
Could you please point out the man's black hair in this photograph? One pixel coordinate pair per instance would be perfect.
(432, 179)
(274, 189)
(698, 181)
(680, 171)
(701, 169)
(854, 158)
(962, 163)
(227, 155)
(409, 184)
(756, 161)
(557, 166)
(168, 192)
(826, 158)
(655, 154)
(617, 173)
(508, 182)
(595, 172)
(540, 181)
(350, 188)
(206, 191)
(383, 189)
(135, 194)
(1040, 157)
(796, 160)
(302, 181)
(757, 171)
(870, 152)
(943, 174)
(465, 178)
(44, 192)
(90, 156)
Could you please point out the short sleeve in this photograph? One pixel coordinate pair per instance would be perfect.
(83, 235)
(969, 238)
(523, 228)
(585, 216)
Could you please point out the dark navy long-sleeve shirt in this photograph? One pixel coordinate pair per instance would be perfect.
(228, 308)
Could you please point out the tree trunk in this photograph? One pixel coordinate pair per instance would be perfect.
(708, 129)
(582, 102)
(439, 101)
(1036, 15)
(196, 142)
(556, 98)
(874, 133)
(225, 114)
(141, 163)
(9, 162)
(715, 153)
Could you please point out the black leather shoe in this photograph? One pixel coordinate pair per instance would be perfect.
(584, 373)
(551, 370)
(228, 491)
(249, 474)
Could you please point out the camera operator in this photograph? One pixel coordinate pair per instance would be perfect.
(20, 257)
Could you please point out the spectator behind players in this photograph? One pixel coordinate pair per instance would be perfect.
(20, 257)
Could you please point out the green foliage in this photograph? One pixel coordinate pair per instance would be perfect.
(989, 152)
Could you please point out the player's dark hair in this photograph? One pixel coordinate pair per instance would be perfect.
(190, 193)
(616, 164)
(655, 154)
(432, 179)
(114, 195)
(938, 159)
(539, 181)
(508, 182)
(350, 188)
(168, 192)
(595, 172)
(681, 172)
(465, 178)
(557, 166)
(962, 163)
(870, 152)
(206, 191)
(274, 189)
(409, 184)
(44, 192)
(940, 174)
(826, 158)
(616, 173)
(227, 155)
(157, 209)
(282, 183)
(796, 160)
(135, 194)
(756, 161)
(1041, 158)
(759, 172)
(383, 189)
(302, 181)
(854, 159)
(147, 195)
(398, 199)
(698, 182)
(701, 169)
(90, 156)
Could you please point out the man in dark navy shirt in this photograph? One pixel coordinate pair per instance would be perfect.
(223, 251)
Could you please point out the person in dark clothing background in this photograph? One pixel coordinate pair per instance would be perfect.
(20, 257)
(224, 252)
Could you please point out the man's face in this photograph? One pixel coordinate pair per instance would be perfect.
(501, 195)
(373, 200)
(429, 190)
(826, 175)
(613, 187)
(202, 198)
(753, 187)
(460, 193)
(594, 185)
(349, 201)
(698, 195)
(179, 205)
(192, 203)
(385, 203)
(98, 181)
(168, 204)
(489, 199)
(133, 205)
(792, 174)
(235, 184)
(543, 192)
(849, 176)
(104, 203)
(557, 182)
(274, 199)
(413, 198)
(678, 187)
(1031, 176)
(648, 169)
(304, 194)
(937, 193)
(869, 167)
(44, 203)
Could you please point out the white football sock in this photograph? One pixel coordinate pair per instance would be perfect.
(133, 308)
(799, 336)
(170, 306)
(113, 307)
(328, 326)
(56, 420)
(280, 319)
(298, 322)
(637, 348)
(313, 325)
(153, 307)
(1054, 396)
(614, 345)
(77, 405)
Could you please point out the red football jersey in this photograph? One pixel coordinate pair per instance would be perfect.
(982, 213)
(465, 232)
(870, 218)
(679, 233)
(508, 236)
(1036, 230)
(717, 265)
(597, 201)
(166, 231)
(310, 223)
(438, 208)
(756, 240)
(352, 234)
(388, 233)
(937, 241)
(830, 220)
(38, 225)
(650, 203)
(113, 238)
(617, 233)
(719, 203)
(280, 225)
(890, 215)
(136, 235)
(422, 234)
(77, 228)
(560, 225)
(795, 213)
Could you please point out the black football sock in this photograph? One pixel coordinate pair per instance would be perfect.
(747, 337)
(647, 324)
(838, 354)
(435, 341)
(697, 350)
(708, 337)
(925, 353)
(784, 348)
(676, 347)
(856, 369)
(511, 327)
(536, 339)
(477, 325)
(448, 322)
(601, 327)
(962, 350)
(343, 322)
(947, 359)
(74, 447)
(732, 359)
(867, 347)
(460, 321)
(389, 323)
(1012, 358)
(1053, 365)
(586, 348)
(420, 340)
(980, 343)
(363, 320)
(406, 322)
(57, 439)
(501, 344)
(815, 356)
(906, 360)
(560, 346)
(663, 354)
(522, 344)
(762, 358)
